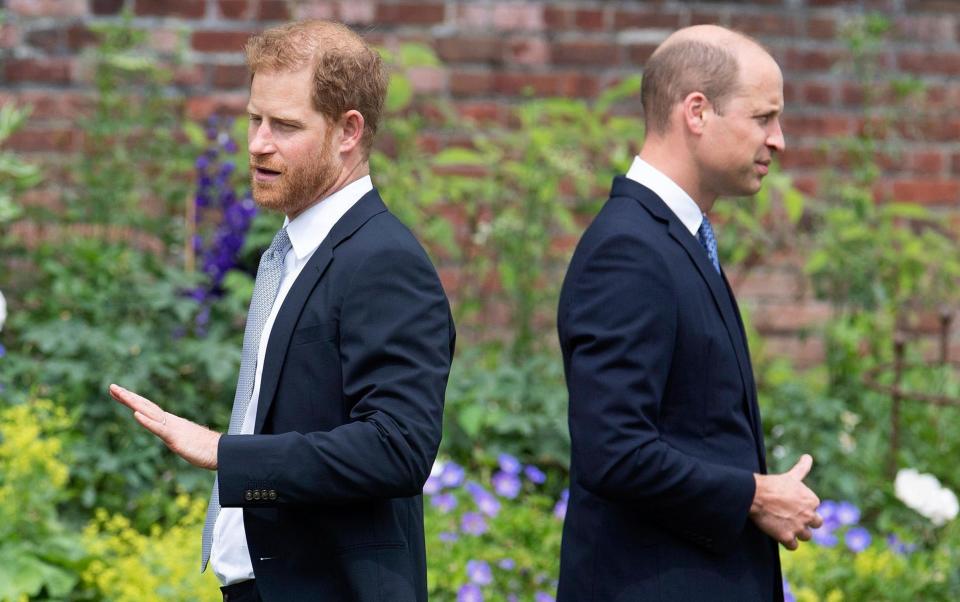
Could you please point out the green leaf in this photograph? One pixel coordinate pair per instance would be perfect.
(399, 94)
(457, 155)
(418, 55)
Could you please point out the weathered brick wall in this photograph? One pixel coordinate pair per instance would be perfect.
(492, 50)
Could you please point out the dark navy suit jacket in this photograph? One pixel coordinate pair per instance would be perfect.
(664, 422)
(348, 422)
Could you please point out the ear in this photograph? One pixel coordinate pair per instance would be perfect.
(351, 127)
(696, 110)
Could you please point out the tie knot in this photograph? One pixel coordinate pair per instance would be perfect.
(280, 244)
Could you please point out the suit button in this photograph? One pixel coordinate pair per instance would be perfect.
(256, 494)
(248, 495)
(273, 494)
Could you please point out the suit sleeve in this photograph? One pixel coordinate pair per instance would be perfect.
(618, 330)
(396, 345)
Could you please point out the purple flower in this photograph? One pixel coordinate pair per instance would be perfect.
(507, 564)
(509, 464)
(900, 547)
(3, 350)
(506, 485)
(485, 501)
(432, 486)
(857, 539)
(452, 475)
(230, 146)
(473, 523)
(534, 474)
(543, 597)
(787, 594)
(847, 514)
(478, 571)
(448, 536)
(445, 502)
(470, 593)
(560, 509)
(828, 510)
(824, 536)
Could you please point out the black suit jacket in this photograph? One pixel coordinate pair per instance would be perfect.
(664, 422)
(348, 421)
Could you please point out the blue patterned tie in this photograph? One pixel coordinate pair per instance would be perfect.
(709, 241)
(261, 304)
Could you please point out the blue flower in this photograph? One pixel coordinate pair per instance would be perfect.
(543, 597)
(473, 523)
(506, 485)
(3, 350)
(560, 509)
(448, 536)
(509, 464)
(534, 474)
(452, 475)
(900, 547)
(847, 514)
(828, 510)
(478, 571)
(432, 486)
(470, 593)
(507, 564)
(485, 501)
(857, 539)
(445, 502)
(787, 594)
(824, 536)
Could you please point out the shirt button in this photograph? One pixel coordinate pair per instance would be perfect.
(273, 494)
(256, 494)
(248, 495)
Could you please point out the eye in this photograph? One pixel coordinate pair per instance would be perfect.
(763, 119)
(254, 118)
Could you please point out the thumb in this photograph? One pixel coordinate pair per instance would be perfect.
(801, 468)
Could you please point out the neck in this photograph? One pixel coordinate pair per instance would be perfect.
(347, 176)
(675, 161)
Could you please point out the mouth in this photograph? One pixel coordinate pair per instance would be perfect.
(262, 174)
(763, 167)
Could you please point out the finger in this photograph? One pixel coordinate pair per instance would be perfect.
(816, 522)
(805, 535)
(137, 403)
(802, 467)
(791, 544)
(157, 427)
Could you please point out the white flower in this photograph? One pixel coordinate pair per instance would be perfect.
(923, 493)
(3, 310)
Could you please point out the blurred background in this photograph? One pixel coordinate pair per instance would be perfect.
(128, 244)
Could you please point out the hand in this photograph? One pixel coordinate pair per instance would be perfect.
(194, 443)
(784, 508)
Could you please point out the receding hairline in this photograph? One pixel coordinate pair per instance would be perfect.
(317, 36)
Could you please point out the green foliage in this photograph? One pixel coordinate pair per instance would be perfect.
(495, 405)
(39, 554)
(15, 174)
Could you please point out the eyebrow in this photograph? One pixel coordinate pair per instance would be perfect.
(280, 118)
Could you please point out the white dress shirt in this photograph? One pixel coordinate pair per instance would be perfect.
(676, 198)
(230, 557)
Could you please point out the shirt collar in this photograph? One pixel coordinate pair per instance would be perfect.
(682, 205)
(308, 229)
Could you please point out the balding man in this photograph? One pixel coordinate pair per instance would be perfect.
(347, 347)
(669, 499)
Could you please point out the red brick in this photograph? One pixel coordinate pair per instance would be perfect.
(48, 70)
(471, 83)
(515, 84)
(220, 41)
(482, 111)
(930, 29)
(780, 283)
(802, 157)
(578, 85)
(929, 62)
(927, 191)
(32, 140)
(527, 50)
(410, 13)
(188, 75)
(701, 17)
(46, 198)
(44, 105)
(590, 19)
(955, 163)
(852, 94)
(235, 9)
(189, 9)
(817, 93)
(586, 53)
(943, 6)
(273, 10)
(639, 53)
(817, 125)
(230, 76)
(783, 318)
(80, 37)
(822, 28)
(517, 16)
(106, 7)
(645, 19)
(358, 12)
(201, 107)
(555, 17)
(48, 8)
(796, 59)
(927, 162)
(469, 49)
(9, 36)
(803, 352)
(51, 41)
(765, 24)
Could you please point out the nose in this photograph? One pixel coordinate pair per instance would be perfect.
(259, 139)
(775, 139)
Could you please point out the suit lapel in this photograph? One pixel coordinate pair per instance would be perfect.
(369, 205)
(716, 283)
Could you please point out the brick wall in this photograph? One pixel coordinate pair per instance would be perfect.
(492, 50)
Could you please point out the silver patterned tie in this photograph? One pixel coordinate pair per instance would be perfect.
(261, 304)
